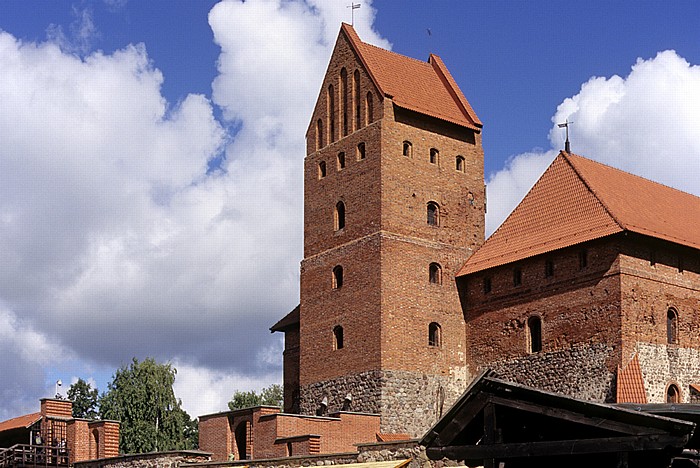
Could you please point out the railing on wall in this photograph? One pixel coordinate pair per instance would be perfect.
(22, 455)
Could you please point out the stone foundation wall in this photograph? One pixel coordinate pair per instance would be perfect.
(580, 372)
(148, 460)
(409, 402)
(663, 365)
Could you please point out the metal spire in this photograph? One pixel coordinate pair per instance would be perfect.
(567, 145)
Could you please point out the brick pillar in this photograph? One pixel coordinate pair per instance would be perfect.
(57, 408)
(107, 440)
(78, 440)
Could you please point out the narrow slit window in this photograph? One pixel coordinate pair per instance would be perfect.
(434, 332)
(338, 338)
(487, 285)
(344, 99)
(407, 149)
(582, 259)
(435, 273)
(338, 277)
(339, 218)
(361, 151)
(319, 134)
(356, 98)
(434, 156)
(433, 214)
(672, 326)
(321, 169)
(331, 113)
(370, 108)
(534, 328)
(341, 161)
(460, 163)
(549, 268)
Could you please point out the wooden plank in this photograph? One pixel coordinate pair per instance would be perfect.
(560, 447)
(461, 420)
(579, 418)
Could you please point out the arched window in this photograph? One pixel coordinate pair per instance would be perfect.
(331, 113)
(433, 214)
(95, 445)
(672, 326)
(319, 134)
(370, 108)
(360, 151)
(534, 329)
(356, 98)
(435, 273)
(344, 99)
(459, 164)
(339, 216)
(338, 337)
(434, 156)
(338, 277)
(321, 169)
(673, 395)
(434, 332)
(341, 160)
(407, 149)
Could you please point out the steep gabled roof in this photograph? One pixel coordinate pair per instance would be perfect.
(578, 200)
(20, 422)
(425, 87)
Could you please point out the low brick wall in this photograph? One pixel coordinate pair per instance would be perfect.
(148, 460)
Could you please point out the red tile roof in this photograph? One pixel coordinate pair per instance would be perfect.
(577, 200)
(630, 384)
(20, 422)
(425, 87)
(392, 437)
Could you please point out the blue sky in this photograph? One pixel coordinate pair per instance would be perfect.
(138, 133)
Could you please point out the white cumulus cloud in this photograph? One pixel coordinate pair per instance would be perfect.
(646, 123)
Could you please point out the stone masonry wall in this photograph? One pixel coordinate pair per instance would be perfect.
(663, 365)
(580, 372)
(409, 402)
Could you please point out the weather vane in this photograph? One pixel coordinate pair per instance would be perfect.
(567, 145)
(353, 6)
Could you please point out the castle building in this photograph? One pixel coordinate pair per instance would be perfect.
(393, 206)
(590, 288)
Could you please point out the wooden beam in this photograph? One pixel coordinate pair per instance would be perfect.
(568, 415)
(461, 420)
(651, 442)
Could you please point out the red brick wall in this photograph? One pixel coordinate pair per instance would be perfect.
(291, 370)
(575, 305)
(215, 436)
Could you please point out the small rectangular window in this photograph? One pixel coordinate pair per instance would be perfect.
(361, 151)
(549, 268)
(321, 169)
(582, 259)
(487, 285)
(517, 277)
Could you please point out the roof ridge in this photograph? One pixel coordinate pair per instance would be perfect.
(352, 36)
(441, 70)
(590, 188)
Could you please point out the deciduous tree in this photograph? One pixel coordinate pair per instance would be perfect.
(84, 398)
(271, 395)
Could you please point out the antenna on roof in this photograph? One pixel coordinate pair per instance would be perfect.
(567, 145)
(353, 6)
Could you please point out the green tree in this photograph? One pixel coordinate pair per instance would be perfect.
(141, 397)
(84, 398)
(271, 395)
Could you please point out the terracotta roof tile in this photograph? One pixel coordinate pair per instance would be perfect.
(577, 200)
(630, 384)
(20, 422)
(425, 87)
(384, 437)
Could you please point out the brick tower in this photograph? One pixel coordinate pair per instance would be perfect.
(394, 205)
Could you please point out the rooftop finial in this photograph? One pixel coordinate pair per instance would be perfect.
(353, 6)
(567, 145)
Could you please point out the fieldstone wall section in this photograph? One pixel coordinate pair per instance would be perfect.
(286, 462)
(172, 459)
(663, 365)
(409, 402)
(579, 371)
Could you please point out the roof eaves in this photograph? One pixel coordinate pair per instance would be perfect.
(430, 113)
(357, 45)
(445, 76)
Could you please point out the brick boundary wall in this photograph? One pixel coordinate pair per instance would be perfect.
(171, 459)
